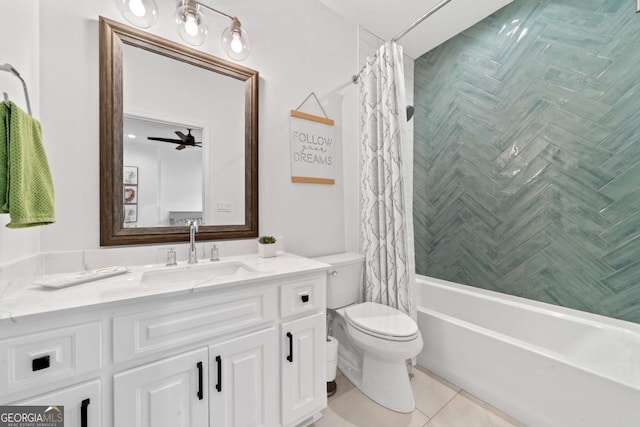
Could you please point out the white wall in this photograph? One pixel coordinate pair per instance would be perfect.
(315, 51)
(19, 47)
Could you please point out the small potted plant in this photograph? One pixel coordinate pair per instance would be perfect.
(266, 246)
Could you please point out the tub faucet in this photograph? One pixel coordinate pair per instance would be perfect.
(193, 229)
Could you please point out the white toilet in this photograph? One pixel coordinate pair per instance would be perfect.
(375, 340)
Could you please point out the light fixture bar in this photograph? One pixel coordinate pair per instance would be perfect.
(215, 10)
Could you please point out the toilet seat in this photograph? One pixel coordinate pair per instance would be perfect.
(381, 321)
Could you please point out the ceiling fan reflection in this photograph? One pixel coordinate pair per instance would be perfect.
(185, 141)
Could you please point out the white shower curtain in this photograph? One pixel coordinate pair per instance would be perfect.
(386, 171)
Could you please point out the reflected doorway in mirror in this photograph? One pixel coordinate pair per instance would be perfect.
(170, 169)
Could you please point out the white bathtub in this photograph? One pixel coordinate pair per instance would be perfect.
(542, 364)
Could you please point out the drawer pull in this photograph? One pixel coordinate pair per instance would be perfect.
(199, 394)
(290, 356)
(304, 297)
(83, 413)
(40, 363)
(219, 363)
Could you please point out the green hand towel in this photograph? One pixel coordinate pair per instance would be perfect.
(4, 157)
(26, 192)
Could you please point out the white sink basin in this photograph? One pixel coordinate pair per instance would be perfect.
(195, 274)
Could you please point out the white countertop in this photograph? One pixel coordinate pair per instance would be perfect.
(34, 299)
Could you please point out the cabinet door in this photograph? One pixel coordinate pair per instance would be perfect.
(243, 381)
(81, 403)
(303, 363)
(168, 393)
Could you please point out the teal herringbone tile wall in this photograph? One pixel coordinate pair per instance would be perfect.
(527, 155)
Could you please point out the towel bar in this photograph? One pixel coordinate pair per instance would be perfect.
(9, 68)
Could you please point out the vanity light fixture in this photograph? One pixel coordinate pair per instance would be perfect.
(192, 27)
(141, 13)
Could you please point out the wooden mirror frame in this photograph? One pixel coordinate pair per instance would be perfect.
(112, 231)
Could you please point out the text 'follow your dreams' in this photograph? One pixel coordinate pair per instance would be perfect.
(312, 149)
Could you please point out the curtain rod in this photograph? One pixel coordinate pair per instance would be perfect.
(419, 20)
(436, 8)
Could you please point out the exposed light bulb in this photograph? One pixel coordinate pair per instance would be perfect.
(137, 8)
(191, 25)
(236, 42)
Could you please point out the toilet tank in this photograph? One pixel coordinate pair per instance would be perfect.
(344, 279)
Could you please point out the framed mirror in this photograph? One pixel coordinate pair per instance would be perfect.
(178, 141)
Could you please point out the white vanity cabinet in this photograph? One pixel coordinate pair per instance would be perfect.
(81, 403)
(168, 393)
(242, 381)
(303, 352)
(225, 385)
(246, 354)
(304, 389)
(35, 361)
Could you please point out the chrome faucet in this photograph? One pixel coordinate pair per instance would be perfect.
(193, 229)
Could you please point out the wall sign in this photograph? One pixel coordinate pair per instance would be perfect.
(312, 148)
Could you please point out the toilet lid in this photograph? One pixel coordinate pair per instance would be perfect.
(381, 320)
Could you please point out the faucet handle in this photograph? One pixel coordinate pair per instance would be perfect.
(214, 253)
(171, 258)
(192, 223)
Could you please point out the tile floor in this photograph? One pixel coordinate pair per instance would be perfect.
(438, 404)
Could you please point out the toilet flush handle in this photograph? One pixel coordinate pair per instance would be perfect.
(333, 273)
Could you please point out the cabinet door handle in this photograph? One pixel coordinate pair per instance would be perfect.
(290, 356)
(304, 298)
(219, 363)
(199, 365)
(83, 413)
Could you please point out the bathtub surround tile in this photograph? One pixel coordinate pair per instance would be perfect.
(626, 301)
(528, 172)
(562, 14)
(624, 279)
(623, 231)
(621, 136)
(626, 182)
(624, 255)
(589, 196)
(534, 245)
(519, 134)
(625, 158)
(581, 62)
(591, 175)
